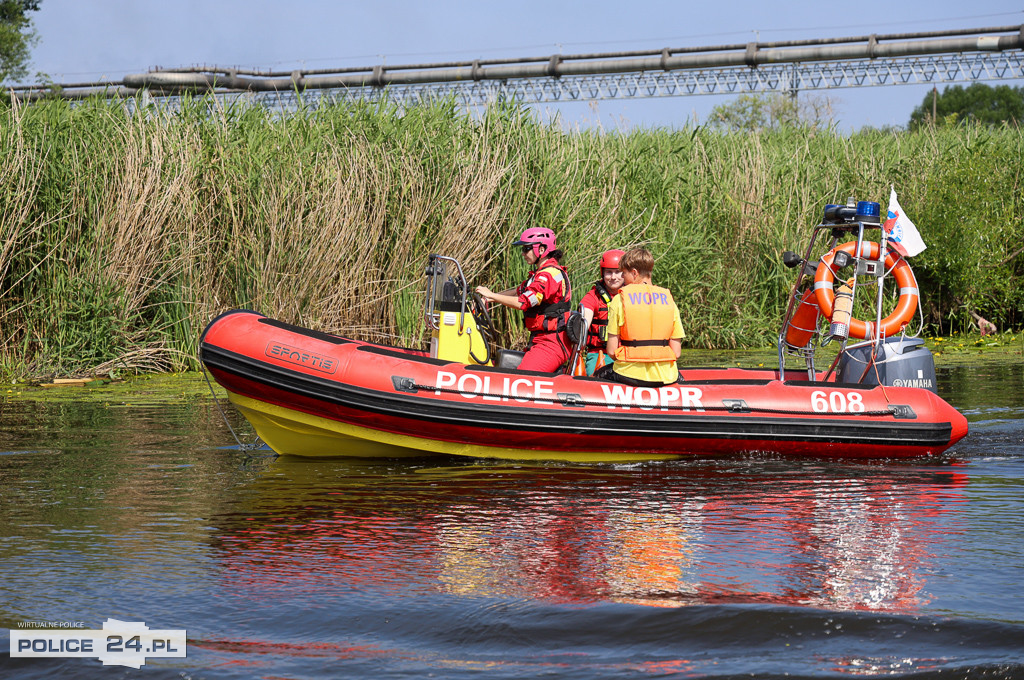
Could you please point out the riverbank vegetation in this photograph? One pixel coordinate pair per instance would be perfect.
(125, 229)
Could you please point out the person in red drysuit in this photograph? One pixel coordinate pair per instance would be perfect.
(545, 298)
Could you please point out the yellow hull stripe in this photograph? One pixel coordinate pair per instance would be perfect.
(291, 432)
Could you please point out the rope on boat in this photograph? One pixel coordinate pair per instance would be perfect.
(245, 448)
(575, 400)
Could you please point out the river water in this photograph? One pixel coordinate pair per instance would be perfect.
(137, 505)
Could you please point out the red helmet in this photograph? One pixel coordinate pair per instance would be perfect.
(611, 258)
(537, 236)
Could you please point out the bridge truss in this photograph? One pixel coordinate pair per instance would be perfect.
(787, 78)
(941, 57)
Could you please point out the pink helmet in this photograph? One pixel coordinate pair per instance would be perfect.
(610, 259)
(537, 236)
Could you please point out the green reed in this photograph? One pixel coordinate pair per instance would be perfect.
(124, 229)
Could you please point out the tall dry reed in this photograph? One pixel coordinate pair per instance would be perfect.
(123, 230)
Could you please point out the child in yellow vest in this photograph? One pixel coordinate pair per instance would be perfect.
(644, 331)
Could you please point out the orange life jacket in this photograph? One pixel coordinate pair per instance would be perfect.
(648, 319)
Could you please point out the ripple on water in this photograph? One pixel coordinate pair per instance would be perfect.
(720, 567)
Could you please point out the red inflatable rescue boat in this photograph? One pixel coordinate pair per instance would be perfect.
(310, 393)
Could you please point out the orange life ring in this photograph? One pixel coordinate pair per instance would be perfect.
(906, 307)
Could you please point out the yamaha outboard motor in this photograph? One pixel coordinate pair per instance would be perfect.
(900, 362)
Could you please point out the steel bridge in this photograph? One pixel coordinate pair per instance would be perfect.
(938, 57)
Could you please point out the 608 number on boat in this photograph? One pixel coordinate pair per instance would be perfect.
(836, 402)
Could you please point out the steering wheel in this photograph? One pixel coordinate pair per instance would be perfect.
(484, 322)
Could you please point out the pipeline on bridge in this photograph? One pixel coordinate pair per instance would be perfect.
(756, 59)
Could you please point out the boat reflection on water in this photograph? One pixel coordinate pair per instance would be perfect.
(828, 535)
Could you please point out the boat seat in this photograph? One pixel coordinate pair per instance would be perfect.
(508, 358)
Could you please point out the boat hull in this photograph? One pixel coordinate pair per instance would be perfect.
(312, 394)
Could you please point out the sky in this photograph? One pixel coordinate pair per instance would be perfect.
(91, 40)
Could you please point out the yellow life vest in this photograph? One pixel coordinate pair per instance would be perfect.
(648, 319)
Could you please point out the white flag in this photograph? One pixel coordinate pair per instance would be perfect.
(900, 231)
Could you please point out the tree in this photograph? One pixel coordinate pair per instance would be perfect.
(750, 112)
(17, 36)
(978, 102)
